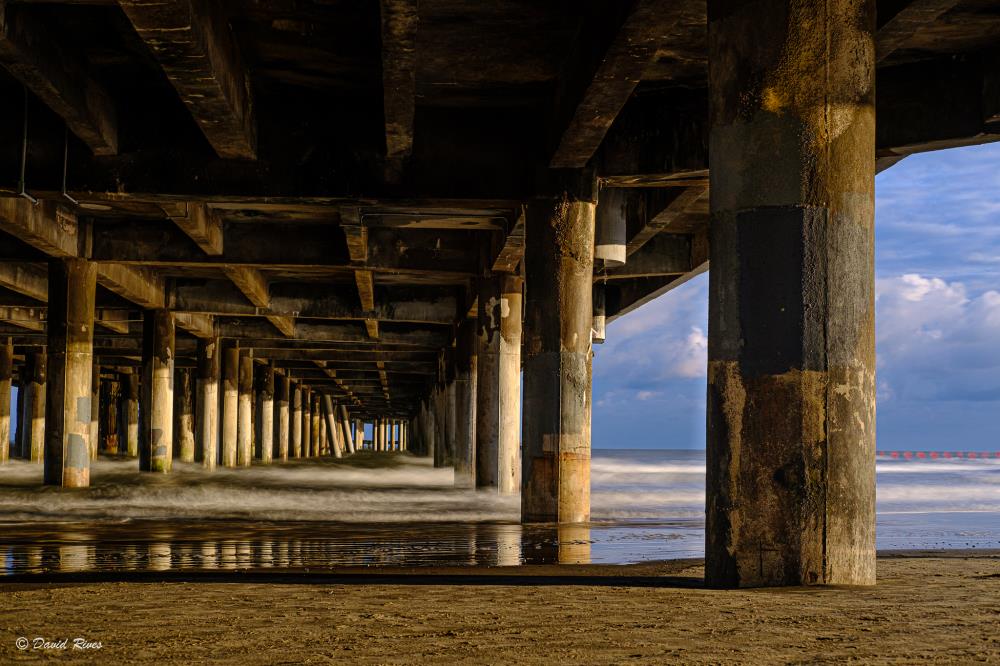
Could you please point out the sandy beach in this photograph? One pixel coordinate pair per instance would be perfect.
(930, 606)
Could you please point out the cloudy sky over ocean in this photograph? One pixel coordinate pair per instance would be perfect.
(937, 264)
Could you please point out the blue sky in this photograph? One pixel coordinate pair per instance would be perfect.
(937, 265)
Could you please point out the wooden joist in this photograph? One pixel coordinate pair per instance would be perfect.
(916, 16)
(399, 42)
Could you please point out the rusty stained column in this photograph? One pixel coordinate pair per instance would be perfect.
(465, 406)
(111, 409)
(184, 414)
(207, 405)
(156, 445)
(498, 385)
(72, 289)
(32, 413)
(281, 417)
(6, 379)
(314, 423)
(265, 413)
(95, 411)
(244, 428)
(297, 420)
(131, 397)
(558, 265)
(230, 403)
(791, 360)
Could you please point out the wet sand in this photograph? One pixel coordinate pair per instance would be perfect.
(933, 606)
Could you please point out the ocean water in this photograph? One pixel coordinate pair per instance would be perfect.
(372, 510)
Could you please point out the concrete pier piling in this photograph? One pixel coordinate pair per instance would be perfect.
(184, 414)
(345, 422)
(558, 267)
(95, 410)
(297, 421)
(244, 428)
(33, 406)
(207, 418)
(498, 384)
(6, 377)
(156, 443)
(110, 411)
(791, 372)
(465, 406)
(314, 420)
(265, 413)
(131, 392)
(72, 287)
(230, 403)
(281, 417)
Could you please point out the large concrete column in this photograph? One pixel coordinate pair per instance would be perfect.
(558, 264)
(72, 288)
(95, 410)
(498, 384)
(306, 422)
(132, 414)
(244, 428)
(207, 417)
(265, 412)
(465, 406)
(346, 425)
(33, 407)
(791, 355)
(333, 427)
(184, 414)
(111, 408)
(6, 378)
(297, 420)
(314, 423)
(156, 445)
(281, 425)
(230, 403)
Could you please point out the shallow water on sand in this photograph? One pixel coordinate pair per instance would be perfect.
(398, 510)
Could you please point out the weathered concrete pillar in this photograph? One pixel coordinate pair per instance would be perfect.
(244, 428)
(430, 427)
(111, 408)
(230, 403)
(281, 426)
(346, 424)
(451, 418)
(6, 379)
(156, 447)
(314, 423)
(333, 427)
(465, 406)
(406, 432)
(132, 413)
(72, 288)
(184, 414)
(498, 384)
(558, 264)
(440, 411)
(207, 417)
(297, 420)
(95, 410)
(265, 413)
(33, 408)
(791, 354)
(306, 423)
(321, 422)
(18, 415)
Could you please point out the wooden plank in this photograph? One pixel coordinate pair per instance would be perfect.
(399, 41)
(139, 285)
(31, 319)
(26, 280)
(513, 248)
(621, 69)
(192, 41)
(203, 225)
(252, 283)
(46, 226)
(662, 220)
(909, 20)
(113, 320)
(198, 325)
(284, 324)
(57, 75)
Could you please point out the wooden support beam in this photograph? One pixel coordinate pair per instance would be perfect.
(513, 248)
(198, 325)
(366, 294)
(46, 226)
(113, 320)
(317, 332)
(897, 31)
(663, 254)
(32, 319)
(139, 285)
(192, 41)
(284, 324)
(26, 280)
(648, 25)
(202, 224)
(252, 283)
(399, 65)
(663, 220)
(57, 75)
